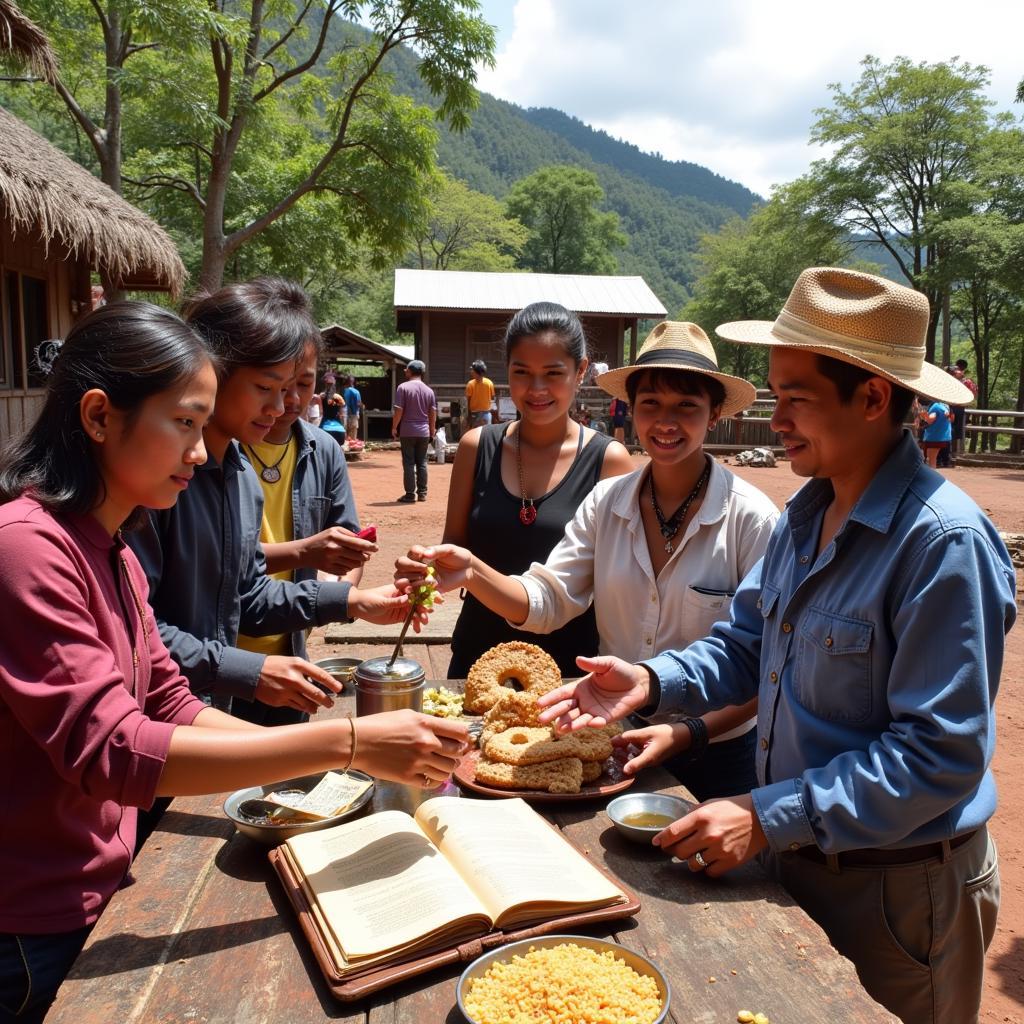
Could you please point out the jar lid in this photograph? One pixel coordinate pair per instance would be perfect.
(401, 671)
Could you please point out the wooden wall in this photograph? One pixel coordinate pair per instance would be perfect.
(449, 341)
(67, 284)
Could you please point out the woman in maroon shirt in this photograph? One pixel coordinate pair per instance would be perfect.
(95, 719)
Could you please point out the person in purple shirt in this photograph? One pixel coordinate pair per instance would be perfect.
(414, 424)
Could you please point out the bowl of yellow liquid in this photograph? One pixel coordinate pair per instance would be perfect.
(641, 816)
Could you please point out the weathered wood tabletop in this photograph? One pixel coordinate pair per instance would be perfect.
(206, 935)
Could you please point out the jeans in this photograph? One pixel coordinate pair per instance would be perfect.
(414, 464)
(32, 968)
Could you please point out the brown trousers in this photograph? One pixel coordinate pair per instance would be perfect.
(917, 933)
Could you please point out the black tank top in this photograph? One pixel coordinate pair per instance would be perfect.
(496, 536)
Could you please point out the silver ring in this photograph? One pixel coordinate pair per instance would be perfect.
(699, 858)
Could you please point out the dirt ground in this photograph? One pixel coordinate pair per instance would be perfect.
(377, 481)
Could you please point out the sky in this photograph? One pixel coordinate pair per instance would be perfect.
(731, 84)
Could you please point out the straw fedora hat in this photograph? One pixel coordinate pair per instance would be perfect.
(856, 318)
(678, 345)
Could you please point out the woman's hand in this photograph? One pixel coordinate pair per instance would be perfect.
(383, 606)
(652, 745)
(336, 550)
(408, 747)
(285, 682)
(611, 689)
(452, 567)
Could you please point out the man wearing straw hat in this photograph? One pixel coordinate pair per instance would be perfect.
(873, 633)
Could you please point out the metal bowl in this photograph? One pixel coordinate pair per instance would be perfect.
(503, 954)
(341, 668)
(274, 835)
(644, 803)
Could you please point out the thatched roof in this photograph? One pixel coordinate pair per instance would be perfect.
(26, 41)
(43, 191)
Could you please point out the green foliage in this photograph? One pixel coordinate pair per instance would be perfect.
(750, 265)
(568, 234)
(903, 134)
(467, 230)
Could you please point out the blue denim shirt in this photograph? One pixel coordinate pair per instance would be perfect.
(207, 581)
(876, 664)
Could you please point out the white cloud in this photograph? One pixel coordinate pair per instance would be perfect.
(732, 85)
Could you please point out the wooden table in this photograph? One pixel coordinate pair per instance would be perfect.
(206, 935)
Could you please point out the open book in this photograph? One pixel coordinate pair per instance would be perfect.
(389, 886)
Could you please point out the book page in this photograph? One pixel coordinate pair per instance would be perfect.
(381, 883)
(510, 856)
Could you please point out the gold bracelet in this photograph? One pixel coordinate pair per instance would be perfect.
(352, 752)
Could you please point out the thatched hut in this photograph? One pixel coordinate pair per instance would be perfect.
(25, 42)
(58, 223)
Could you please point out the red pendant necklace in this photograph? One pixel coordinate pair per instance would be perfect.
(527, 511)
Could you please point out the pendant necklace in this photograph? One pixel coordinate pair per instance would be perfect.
(670, 527)
(528, 511)
(270, 473)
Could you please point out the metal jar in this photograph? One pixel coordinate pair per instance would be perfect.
(380, 687)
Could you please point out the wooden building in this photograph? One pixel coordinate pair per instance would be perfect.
(457, 316)
(58, 224)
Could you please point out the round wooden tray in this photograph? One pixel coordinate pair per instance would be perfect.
(611, 782)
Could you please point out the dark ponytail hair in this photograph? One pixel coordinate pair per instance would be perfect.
(261, 322)
(542, 318)
(130, 351)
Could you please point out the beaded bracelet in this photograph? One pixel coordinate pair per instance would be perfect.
(698, 737)
(352, 752)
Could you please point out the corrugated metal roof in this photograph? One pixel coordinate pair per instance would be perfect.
(505, 293)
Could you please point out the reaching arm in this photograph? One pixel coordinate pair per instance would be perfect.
(460, 489)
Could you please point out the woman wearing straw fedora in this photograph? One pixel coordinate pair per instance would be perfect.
(873, 630)
(658, 553)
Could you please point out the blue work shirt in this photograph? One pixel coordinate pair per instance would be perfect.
(876, 664)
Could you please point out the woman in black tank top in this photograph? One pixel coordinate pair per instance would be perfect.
(516, 486)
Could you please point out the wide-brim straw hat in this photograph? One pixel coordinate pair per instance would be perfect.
(857, 318)
(679, 345)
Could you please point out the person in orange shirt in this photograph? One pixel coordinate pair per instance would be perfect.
(480, 392)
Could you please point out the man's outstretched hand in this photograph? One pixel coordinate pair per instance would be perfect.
(611, 690)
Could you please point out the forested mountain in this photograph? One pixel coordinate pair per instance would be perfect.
(664, 206)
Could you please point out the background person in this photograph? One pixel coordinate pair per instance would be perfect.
(353, 408)
(874, 629)
(656, 580)
(414, 424)
(938, 431)
(617, 412)
(480, 393)
(96, 718)
(515, 486)
(334, 411)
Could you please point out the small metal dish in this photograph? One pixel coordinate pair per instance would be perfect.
(631, 804)
(274, 835)
(341, 668)
(503, 954)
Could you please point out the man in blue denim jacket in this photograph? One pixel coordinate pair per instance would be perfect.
(872, 632)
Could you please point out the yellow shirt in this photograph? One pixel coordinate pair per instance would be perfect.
(480, 394)
(277, 525)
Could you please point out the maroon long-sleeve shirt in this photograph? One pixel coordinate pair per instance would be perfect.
(84, 733)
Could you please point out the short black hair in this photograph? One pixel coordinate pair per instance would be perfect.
(847, 378)
(962, 363)
(686, 382)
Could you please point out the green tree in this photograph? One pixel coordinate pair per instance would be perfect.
(902, 134)
(749, 266)
(467, 230)
(245, 112)
(568, 233)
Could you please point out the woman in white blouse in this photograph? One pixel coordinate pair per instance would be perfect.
(660, 551)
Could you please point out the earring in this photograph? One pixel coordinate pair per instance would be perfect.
(99, 436)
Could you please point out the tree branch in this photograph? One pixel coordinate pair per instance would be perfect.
(310, 60)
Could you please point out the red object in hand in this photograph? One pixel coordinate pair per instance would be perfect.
(368, 533)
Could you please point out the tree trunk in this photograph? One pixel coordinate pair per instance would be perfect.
(1018, 442)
